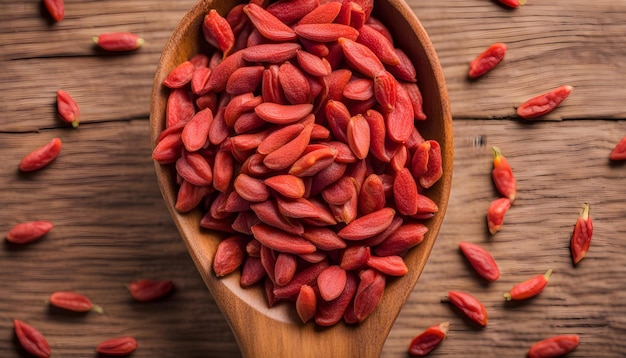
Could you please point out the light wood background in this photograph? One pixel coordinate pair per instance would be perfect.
(112, 226)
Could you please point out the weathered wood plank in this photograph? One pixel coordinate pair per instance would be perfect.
(111, 227)
(550, 44)
(38, 58)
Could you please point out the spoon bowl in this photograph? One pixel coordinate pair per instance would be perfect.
(261, 331)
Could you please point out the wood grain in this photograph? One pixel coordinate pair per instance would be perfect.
(113, 227)
(554, 179)
(550, 43)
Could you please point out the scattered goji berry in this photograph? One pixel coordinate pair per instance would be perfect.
(28, 231)
(495, 214)
(120, 346)
(118, 41)
(56, 9)
(544, 103)
(31, 339)
(487, 60)
(41, 156)
(555, 346)
(149, 290)
(428, 340)
(581, 237)
(481, 260)
(73, 301)
(469, 306)
(528, 288)
(68, 108)
(502, 175)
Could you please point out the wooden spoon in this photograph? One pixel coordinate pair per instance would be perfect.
(277, 332)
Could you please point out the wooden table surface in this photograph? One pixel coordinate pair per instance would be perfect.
(112, 227)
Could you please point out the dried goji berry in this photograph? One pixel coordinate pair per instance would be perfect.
(428, 340)
(218, 32)
(392, 265)
(306, 303)
(118, 41)
(581, 237)
(361, 58)
(358, 134)
(555, 346)
(229, 254)
(149, 290)
(502, 175)
(544, 103)
(270, 213)
(285, 267)
(368, 225)
(329, 313)
(68, 108)
(311, 163)
(405, 237)
(283, 113)
(495, 214)
(56, 9)
(41, 156)
(28, 231)
(487, 60)
(355, 257)
(119, 346)
(180, 75)
(327, 32)
(73, 301)
(331, 282)
(281, 240)
(325, 12)
(434, 169)
(304, 276)
(400, 121)
(252, 272)
(528, 288)
(31, 339)
(368, 293)
(290, 12)
(481, 261)
(469, 306)
(379, 44)
(268, 25)
(287, 185)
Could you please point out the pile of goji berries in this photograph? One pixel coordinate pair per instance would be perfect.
(297, 132)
